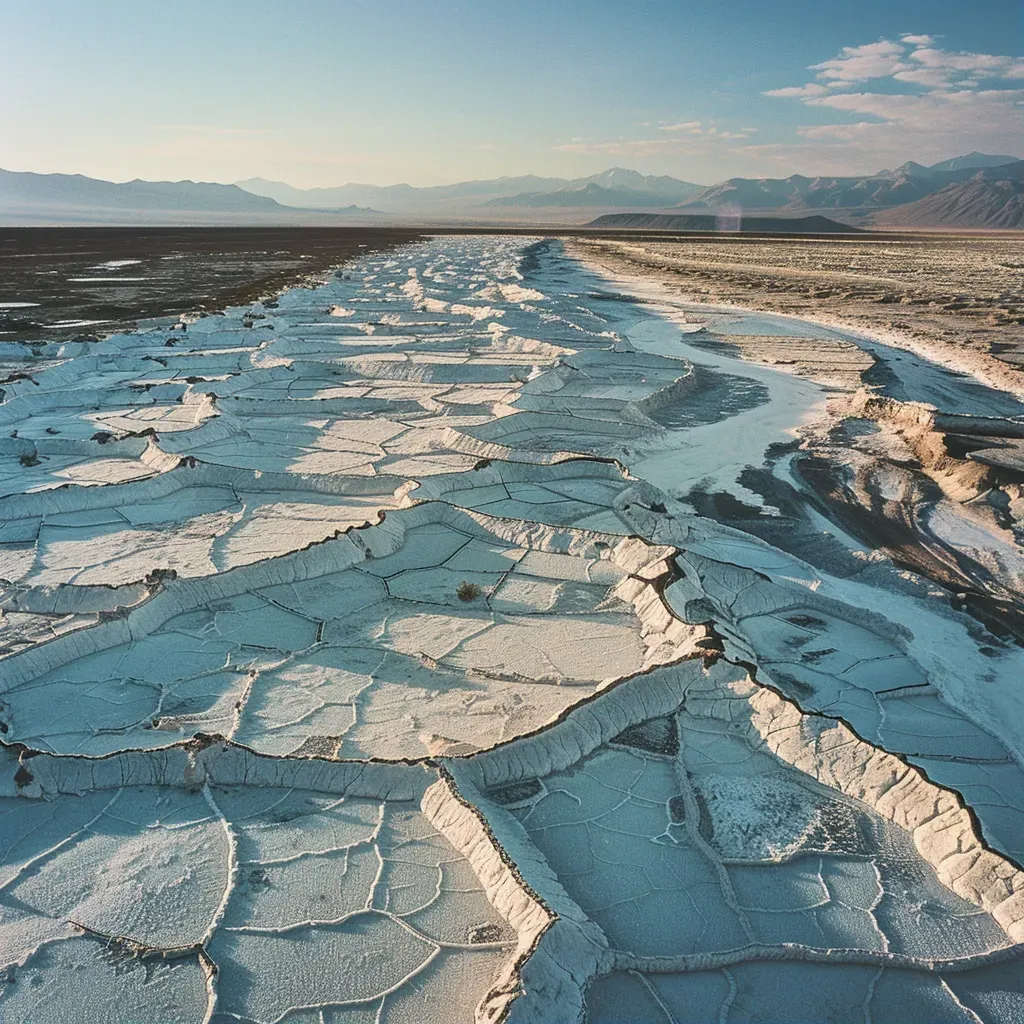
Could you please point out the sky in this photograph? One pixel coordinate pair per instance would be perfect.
(384, 91)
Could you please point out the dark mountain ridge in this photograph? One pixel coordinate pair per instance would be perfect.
(709, 222)
(906, 184)
(28, 188)
(991, 198)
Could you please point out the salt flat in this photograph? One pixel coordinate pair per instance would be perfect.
(481, 635)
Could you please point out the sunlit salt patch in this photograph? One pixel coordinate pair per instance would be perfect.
(375, 658)
(165, 418)
(341, 311)
(510, 293)
(476, 312)
(116, 890)
(115, 264)
(195, 531)
(17, 305)
(104, 280)
(104, 471)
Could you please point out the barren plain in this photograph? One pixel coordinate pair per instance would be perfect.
(501, 629)
(964, 292)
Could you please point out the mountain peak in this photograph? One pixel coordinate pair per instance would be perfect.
(973, 160)
(620, 176)
(911, 167)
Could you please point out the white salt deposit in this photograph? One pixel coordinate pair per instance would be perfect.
(362, 659)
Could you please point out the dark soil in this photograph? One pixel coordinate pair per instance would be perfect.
(184, 270)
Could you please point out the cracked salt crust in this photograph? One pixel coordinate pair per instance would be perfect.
(651, 766)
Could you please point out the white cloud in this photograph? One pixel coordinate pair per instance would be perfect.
(892, 100)
(930, 77)
(694, 127)
(947, 103)
(799, 91)
(914, 60)
(986, 64)
(862, 63)
(938, 110)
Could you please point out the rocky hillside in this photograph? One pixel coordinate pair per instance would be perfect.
(861, 195)
(992, 198)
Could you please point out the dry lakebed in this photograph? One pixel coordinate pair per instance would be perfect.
(503, 628)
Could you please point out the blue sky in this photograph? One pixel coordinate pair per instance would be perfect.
(381, 91)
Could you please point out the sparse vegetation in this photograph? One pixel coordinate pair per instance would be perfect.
(467, 591)
(29, 458)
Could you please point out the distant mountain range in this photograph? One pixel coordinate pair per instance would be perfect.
(856, 197)
(396, 198)
(973, 191)
(616, 187)
(27, 198)
(611, 188)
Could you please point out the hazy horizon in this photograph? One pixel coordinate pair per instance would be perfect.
(399, 184)
(389, 93)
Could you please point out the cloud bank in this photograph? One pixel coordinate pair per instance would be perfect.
(874, 105)
(911, 98)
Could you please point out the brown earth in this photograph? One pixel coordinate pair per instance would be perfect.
(958, 298)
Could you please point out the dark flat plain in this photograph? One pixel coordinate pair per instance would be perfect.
(179, 270)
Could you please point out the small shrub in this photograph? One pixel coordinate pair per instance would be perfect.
(467, 591)
(158, 576)
(484, 933)
(29, 459)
